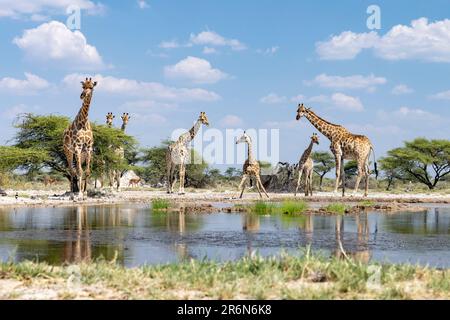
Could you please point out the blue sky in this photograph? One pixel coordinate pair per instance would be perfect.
(246, 63)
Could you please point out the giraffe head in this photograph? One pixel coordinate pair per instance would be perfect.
(301, 111)
(315, 138)
(125, 118)
(203, 118)
(88, 86)
(109, 119)
(244, 139)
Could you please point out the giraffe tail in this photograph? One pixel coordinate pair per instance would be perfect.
(374, 163)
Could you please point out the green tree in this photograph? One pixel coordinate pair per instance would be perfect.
(154, 171)
(323, 163)
(392, 171)
(422, 160)
(45, 133)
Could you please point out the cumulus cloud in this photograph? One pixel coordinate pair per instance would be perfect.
(171, 44)
(30, 85)
(211, 38)
(37, 9)
(149, 90)
(209, 50)
(53, 41)
(231, 121)
(196, 70)
(401, 89)
(420, 41)
(444, 95)
(347, 103)
(273, 98)
(350, 82)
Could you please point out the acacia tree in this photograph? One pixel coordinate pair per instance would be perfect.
(45, 133)
(323, 163)
(391, 171)
(422, 160)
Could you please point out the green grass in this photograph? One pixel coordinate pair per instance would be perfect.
(286, 207)
(337, 208)
(252, 277)
(160, 204)
(366, 203)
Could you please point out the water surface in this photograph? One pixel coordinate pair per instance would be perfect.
(138, 236)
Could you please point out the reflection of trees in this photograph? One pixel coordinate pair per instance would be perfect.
(424, 223)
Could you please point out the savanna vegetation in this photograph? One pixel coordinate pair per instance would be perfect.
(36, 153)
(305, 276)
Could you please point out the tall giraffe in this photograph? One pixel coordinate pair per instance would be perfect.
(178, 153)
(79, 141)
(109, 119)
(306, 166)
(344, 145)
(251, 167)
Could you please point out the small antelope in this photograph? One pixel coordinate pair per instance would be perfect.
(134, 182)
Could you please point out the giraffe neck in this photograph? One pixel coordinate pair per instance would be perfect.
(308, 151)
(250, 152)
(82, 116)
(325, 127)
(194, 130)
(124, 126)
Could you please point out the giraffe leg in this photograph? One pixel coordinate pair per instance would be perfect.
(258, 181)
(306, 185)
(258, 188)
(300, 173)
(182, 176)
(367, 176)
(174, 178)
(242, 185)
(311, 173)
(79, 174)
(361, 172)
(338, 172)
(88, 171)
(69, 157)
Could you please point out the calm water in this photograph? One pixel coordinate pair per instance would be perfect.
(139, 236)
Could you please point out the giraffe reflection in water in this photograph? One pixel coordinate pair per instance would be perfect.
(362, 252)
(78, 248)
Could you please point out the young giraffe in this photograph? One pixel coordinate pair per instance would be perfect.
(79, 140)
(120, 152)
(306, 166)
(344, 145)
(251, 168)
(179, 153)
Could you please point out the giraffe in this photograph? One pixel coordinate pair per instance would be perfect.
(344, 145)
(178, 153)
(120, 152)
(306, 166)
(251, 168)
(79, 141)
(109, 119)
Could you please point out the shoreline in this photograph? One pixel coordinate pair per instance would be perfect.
(43, 198)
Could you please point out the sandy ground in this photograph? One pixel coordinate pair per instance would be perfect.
(53, 198)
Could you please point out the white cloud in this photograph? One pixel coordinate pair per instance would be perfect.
(444, 95)
(148, 105)
(30, 85)
(151, 118)
(40, 8)
(231, 121)
(53, 41)
(401, 89)
(269, 51)
(347, 103)
(142, 4)
(172, 44)
(273, 98)
(319, 99)
(298, 98)
(346, 46)
(421, 41)
(350, 82)
(209, 50)
(195, 69)
(149, 90)
(211, 38)
(412, 115)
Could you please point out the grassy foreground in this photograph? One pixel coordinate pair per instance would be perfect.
(288, 277)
